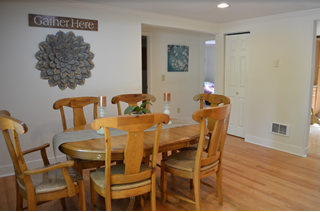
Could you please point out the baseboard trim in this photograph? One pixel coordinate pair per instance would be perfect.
(8, 170)
(277, 145)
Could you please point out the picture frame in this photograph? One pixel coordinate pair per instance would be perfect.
(178, 58)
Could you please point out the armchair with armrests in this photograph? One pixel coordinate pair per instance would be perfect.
(43, 184)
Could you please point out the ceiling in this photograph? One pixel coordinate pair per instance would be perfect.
(206, 10)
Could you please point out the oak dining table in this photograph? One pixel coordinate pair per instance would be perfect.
(179, 134)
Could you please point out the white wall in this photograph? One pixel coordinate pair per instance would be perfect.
(117, 49)
(282, 94)
(209, 62)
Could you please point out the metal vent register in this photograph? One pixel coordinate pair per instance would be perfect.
(280, 129)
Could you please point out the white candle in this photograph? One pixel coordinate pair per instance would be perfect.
(167, 97)
(102, 101)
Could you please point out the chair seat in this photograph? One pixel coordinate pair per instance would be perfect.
(52, 181)
(184, 160)
(98, 177)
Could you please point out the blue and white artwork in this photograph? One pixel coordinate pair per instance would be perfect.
(178, 58)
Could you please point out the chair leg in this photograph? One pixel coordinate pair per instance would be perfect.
(153, 194)
(31, 201)
(196, 183)
(219, 184)
(93, 196)
(164, 155)
(174, 152)
(107, 200)
(131, 205)
(191, 184)
(63, 203)
(164, 179)
(119, 162)
(142, 200)
(81, 196)
(108, 203)
(32, 207)
(146, 160)
(18, 198)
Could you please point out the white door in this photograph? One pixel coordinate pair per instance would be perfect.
(236, 69)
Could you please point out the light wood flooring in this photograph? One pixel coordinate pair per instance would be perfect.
(255, 178)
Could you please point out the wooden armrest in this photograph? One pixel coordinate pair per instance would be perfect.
(46, 145)
(64, 169)
(42, 149)
(64, 164)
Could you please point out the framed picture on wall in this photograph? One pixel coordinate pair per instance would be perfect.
(178, 58)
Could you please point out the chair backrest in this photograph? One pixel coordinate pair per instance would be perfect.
(132, 100)
(134, 150)
(214, 151)
(77, 104)
(214, 100)
(10, 128)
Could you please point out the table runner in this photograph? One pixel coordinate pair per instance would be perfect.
(82, 135)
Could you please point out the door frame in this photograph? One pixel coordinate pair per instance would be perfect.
(149, 61)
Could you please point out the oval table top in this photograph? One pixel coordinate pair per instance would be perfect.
(94, 149)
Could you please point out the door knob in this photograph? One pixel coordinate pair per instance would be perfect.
(237, 93)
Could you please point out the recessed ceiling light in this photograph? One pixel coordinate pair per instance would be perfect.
(210, 42)
(223, 5)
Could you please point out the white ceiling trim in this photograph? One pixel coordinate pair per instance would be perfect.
(311, 12)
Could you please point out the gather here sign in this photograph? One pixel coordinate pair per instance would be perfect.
(62, 22)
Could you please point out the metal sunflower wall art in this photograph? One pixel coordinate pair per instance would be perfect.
(64, 60)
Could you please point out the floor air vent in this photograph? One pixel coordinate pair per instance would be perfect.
(280, 129)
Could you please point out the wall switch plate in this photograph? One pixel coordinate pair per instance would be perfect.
(163, 77)
(276, 63)
(178, 110)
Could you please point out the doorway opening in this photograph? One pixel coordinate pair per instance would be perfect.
(144, 56)
(209, 66)
(314, 133)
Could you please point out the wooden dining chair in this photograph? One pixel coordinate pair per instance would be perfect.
(43, 184)
(213, 100)
(132, 100)
(77, 104)
(133, 178)
(197, 163)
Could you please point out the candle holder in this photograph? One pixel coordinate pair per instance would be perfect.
(166, 110)
(167, 99)
(101, 111)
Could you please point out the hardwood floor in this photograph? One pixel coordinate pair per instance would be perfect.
(255, 178)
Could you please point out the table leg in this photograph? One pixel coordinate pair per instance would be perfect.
(78, 166)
